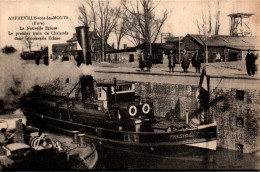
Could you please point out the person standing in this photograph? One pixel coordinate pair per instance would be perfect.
(141, 62)
(250, 63)
(171, 61)
(218, 58)
(46, 60)
(149, 63)
(185, 61)
(37, 59)
(196, 61)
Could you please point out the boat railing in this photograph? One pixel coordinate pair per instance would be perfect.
(131, 136)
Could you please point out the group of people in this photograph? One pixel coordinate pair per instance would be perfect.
(39, 57)
(145, 62)
(185, 63)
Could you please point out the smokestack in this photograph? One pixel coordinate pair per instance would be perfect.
(87, 88)
(84, 42)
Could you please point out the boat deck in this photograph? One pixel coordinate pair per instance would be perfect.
(87, 153)
(72, 148)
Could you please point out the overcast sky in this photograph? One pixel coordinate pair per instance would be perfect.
(182, 16)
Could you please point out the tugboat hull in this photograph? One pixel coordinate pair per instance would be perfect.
(194, 144)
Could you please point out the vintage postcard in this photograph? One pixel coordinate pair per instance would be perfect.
(129, 85)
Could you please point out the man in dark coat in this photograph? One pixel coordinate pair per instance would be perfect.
(46, 60)
(149, 63)
(196, 61)
(141, 62)
(37, 59)
(250, 63)
(185, 61)
(171, 59)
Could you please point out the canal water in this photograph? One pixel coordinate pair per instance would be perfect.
(223, 160)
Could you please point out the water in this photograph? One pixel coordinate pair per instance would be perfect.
(223, 160)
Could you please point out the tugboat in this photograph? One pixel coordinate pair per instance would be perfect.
(113, 117)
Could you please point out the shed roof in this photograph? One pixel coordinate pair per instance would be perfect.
(92, 35)
(64, 47)
(236, 42)
(111, 82)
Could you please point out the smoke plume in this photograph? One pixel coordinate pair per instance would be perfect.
(18, 77)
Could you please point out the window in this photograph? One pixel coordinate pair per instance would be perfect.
(131, 58)
(123, 87)
(240, 148)
(240, 122)
(99, 89)
(239, 95)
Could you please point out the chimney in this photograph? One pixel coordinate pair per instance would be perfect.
(87, 88)
(83, 39)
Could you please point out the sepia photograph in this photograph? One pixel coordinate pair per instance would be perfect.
(129, 85)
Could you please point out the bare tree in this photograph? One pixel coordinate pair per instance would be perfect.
(121, 28)
(142, 22)
(217, 24)
(205, 26)
(84, 18)
(101, 17)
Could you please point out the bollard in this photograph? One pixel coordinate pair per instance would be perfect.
(80, 137)
(75, 136)
(187, 117)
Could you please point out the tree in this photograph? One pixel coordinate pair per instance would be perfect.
(101, 17)
(142, 22)
(205, 26)
(8, 50)
(217, 25)
(121, 28)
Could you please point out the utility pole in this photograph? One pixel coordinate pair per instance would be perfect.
(179, 49)
(206, 34)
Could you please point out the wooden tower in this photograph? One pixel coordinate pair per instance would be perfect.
(240, 24)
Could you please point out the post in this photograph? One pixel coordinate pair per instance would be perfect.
(179, 49)
(102, 48)
(75, 136)
(206, 49)
(187, 117)
(115, 88)
(161, 37)
(81, 141)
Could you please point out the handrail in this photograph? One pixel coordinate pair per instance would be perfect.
(110, 130)
(73, 88)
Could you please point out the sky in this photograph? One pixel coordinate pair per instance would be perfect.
(180, 21)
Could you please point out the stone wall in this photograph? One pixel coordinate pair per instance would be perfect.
(237, 120)
(165, 97)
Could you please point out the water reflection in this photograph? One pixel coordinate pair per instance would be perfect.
(223, 160)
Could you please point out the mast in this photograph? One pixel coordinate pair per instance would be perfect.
(179, 48)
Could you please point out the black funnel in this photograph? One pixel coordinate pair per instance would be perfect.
(87, 88)
(83, 39)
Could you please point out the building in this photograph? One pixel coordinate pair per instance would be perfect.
(126, 55)
(131, 54)
(231, 48)
(72, 46)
